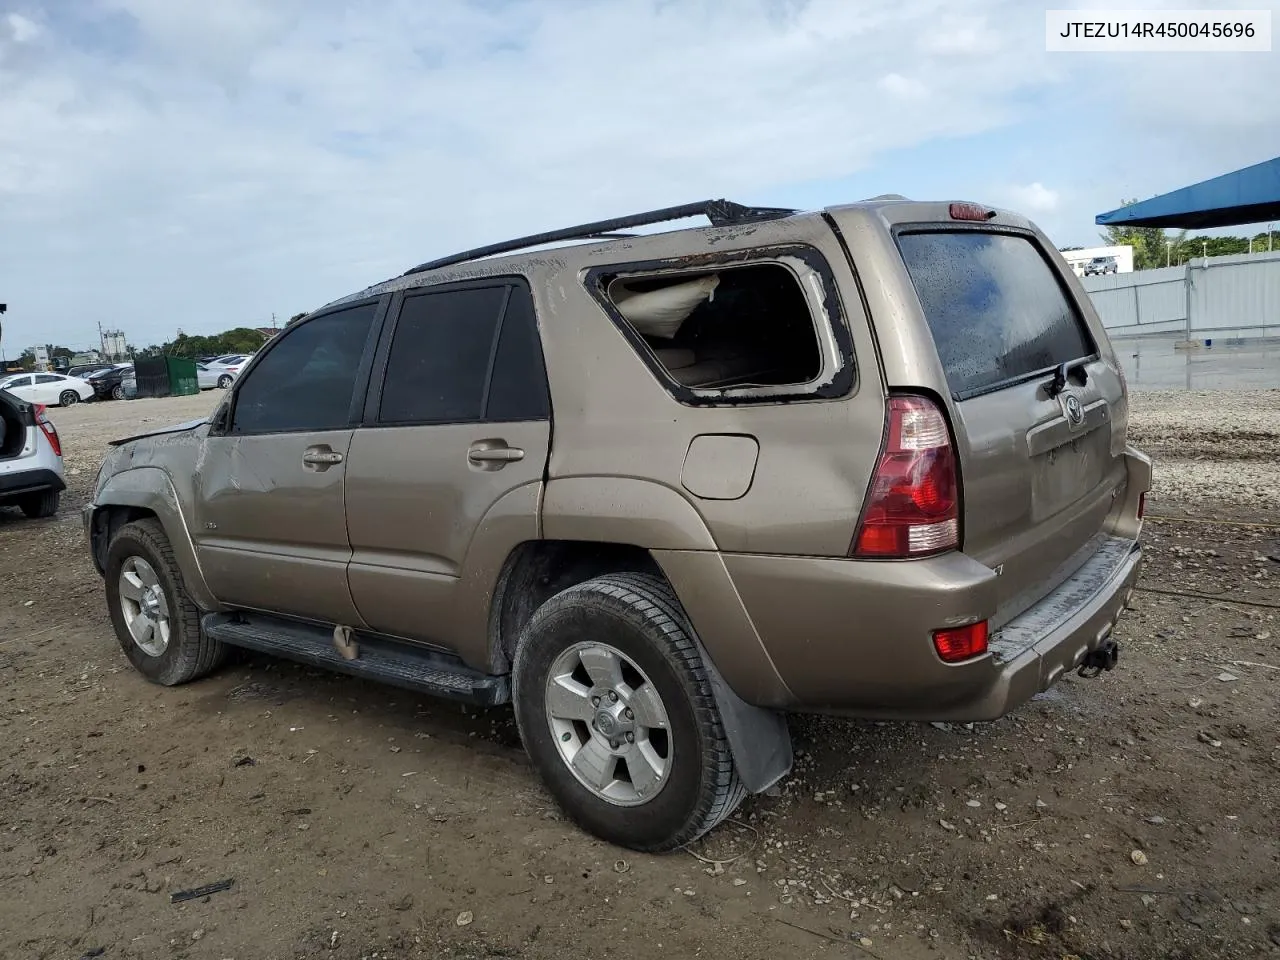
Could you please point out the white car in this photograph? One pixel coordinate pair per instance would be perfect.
(31, 475)
(209, 376)
(223, 371)
(48, 389)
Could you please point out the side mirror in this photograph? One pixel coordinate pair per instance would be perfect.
(220, 418)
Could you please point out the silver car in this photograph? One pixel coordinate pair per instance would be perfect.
(31, 475)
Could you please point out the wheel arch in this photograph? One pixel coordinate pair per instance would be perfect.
(137, 494)
(537, 570)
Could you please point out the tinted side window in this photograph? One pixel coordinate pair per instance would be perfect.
(46, 378)
(306, 381)
(996, 310)
(518, 387)
(440, 356)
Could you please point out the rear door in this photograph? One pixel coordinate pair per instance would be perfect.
(445, 475)
(1041, 455)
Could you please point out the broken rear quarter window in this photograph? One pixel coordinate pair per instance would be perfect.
(733, 328)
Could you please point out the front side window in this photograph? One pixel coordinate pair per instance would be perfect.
(306, 382)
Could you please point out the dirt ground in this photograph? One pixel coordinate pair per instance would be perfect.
(1132, 816)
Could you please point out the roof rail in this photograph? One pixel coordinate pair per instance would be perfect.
(721, 213)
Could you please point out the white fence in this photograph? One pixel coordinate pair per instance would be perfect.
(1219, 298)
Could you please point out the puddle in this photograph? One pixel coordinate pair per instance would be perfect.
(1157, 365)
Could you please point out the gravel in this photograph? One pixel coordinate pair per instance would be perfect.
(1217, 446)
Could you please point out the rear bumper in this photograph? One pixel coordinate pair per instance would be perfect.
(20, 483)
(851, 637)
(1034, 651)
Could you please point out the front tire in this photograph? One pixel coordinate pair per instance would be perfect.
(69, 398)
(157, 624)
(616, 711)
(41, 506)
(117, 392)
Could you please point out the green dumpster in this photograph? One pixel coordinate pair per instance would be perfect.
(166, 377)
(183, 381)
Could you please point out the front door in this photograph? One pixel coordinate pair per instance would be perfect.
(49, 389)
(21, 388)
(445, 477)
(270, 523)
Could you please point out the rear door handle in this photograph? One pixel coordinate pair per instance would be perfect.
(322, 457)
(494, 455)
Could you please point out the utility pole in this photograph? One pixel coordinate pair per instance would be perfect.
(102, 343)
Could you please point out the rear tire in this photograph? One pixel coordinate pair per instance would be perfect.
(40, 506)
(68, 398)
(224, 381)
(676, 780)
(144, 586)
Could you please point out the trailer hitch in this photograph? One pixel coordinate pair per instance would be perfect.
(1102, 658)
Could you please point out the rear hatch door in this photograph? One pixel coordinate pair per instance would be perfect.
(17, 432)
(993, 321)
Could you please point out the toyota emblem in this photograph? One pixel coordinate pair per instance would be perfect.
(1074, 410)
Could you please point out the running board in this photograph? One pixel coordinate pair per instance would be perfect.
(379, 658)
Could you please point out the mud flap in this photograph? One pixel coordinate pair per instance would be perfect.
(758, 737)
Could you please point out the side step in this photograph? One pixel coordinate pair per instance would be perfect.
(380, 658)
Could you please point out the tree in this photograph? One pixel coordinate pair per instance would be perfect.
(239, 340)
(1148, 243)
(295, 318)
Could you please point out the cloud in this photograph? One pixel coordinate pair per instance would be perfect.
(168, 163)
(21, 29)
(1033, 198)
(895, 84)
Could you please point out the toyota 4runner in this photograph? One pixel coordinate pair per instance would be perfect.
(658, 490)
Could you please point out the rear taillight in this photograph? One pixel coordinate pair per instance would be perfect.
(961, 643)
(913, 503)
(48, 429)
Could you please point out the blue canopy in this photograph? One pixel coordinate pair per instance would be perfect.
(1251, 195)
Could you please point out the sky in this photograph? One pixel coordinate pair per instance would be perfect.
(191, 165)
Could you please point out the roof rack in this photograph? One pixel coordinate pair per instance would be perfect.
(721, 213)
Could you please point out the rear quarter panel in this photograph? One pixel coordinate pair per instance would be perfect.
(617, 425)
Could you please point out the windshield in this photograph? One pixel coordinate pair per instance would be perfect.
(996, 310)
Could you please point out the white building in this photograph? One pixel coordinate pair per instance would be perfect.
(1078, 258)
(114, 344)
